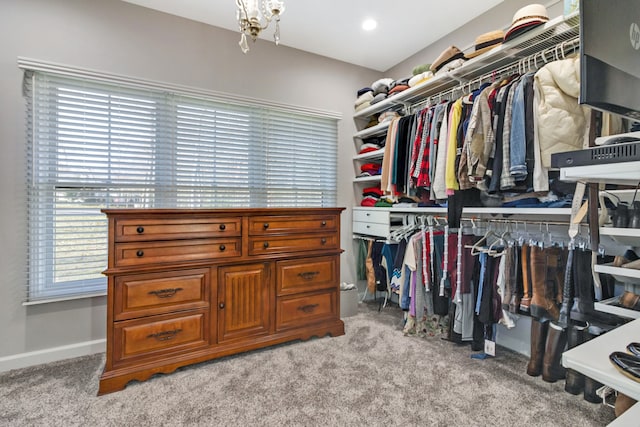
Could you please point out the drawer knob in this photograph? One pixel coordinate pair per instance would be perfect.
(165, 335)
(221, 305)
(307, 308)
(266, 245)
(223, 247)
(308, 275)
(324, 223)
(323, 240)
(140, 253)
(222, 227)
(140, 229)
(265, 225)
(165, 293)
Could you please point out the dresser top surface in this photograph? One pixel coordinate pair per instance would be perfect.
(225, 211)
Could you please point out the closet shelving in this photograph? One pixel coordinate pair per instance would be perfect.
(551, 35)
(624, 173)
(532, 49)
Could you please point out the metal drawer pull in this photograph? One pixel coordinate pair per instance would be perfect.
(222, 227)
(140, 253)
(308, 275)
(324, 223)
(165, 293)
(266, 245)
(165, 335)
(307, 308)
(265, 225)
(323, 240)
(140, 230)
(223, 247)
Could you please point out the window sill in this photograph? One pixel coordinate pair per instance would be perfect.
(64, 298)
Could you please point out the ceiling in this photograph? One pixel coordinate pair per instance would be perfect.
(332, 28)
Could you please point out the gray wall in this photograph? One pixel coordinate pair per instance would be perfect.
(117, 37)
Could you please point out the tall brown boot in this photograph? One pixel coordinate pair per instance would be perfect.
(546, 279)
(538, 340)
(552, 369)
(526, 278)
(576, 335)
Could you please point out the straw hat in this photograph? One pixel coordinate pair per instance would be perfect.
(485, 42)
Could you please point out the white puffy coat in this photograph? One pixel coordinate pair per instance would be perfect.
(561, 123)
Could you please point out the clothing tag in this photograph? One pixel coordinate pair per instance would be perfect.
(490, 347)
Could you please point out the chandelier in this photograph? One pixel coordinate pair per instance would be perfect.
(252, 19)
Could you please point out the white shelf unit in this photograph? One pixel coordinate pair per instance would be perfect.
(624, 236)
(626, 173)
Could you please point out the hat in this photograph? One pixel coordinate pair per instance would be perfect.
(525, 19)
(448, 55)
(485, 42)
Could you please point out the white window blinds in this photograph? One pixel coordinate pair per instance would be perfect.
(93, 145)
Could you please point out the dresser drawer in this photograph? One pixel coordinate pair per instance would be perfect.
(292, 312)
(160, 334)
(371, 215)
(371, 229)
(130, 230)
(139, 295)
(266, 225)
(299, 243)
(143, 253)
(309, 274)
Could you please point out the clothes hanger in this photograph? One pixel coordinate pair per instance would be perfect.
(476, 248)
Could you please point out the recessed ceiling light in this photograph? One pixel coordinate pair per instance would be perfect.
(369, 24)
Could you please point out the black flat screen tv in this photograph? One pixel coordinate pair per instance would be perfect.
(610, 56)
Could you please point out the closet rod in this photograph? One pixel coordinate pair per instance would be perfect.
(532, 62)
(540, 223)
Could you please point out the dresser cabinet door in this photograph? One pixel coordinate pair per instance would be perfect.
(243, 301)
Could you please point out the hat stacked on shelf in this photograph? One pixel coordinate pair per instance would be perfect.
(485, 42)
(526, 19)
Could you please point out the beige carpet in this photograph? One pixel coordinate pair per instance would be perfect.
(372, 376)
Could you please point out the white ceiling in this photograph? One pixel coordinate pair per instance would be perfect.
(332, 28)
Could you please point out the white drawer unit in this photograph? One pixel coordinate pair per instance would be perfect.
(375, 215)
(372, 221)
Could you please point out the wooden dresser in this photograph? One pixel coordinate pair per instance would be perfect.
(185, 286)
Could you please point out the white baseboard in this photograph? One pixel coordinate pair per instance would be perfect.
(49, 355)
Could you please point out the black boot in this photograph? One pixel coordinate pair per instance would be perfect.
(583, 283)
(591, 386)
(576, 335)
(538, 340)
(552, 369)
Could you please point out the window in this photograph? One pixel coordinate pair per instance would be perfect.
(94, 145)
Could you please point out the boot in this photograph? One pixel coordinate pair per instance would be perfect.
(525, 262)
(552, 369)
(583, 280)
(591, 386)
(623, 402)
(576, 335)
(538, 340)
(546, 279)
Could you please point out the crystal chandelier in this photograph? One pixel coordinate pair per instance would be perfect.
(251, 17)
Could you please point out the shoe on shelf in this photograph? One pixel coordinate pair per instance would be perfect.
(628, 257)
(634, 348)
(627, 364)
(630, 300)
